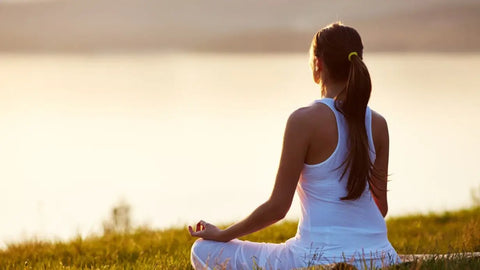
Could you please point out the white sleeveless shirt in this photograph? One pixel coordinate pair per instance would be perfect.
(334, 230)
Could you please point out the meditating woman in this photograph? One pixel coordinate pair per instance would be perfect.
(335, 155)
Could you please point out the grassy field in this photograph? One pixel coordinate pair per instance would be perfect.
(449, 232)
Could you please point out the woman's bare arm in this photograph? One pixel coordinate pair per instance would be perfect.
(295, 146)
(378, 183)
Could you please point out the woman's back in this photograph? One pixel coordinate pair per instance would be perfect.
(331, 227)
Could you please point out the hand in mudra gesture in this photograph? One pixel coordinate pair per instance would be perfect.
(207, 231)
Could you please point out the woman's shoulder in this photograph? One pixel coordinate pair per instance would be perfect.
(311, 113)
(378, 121)
(313, 116)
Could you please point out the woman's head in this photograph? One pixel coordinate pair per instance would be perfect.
(330, 50)
(336, 55)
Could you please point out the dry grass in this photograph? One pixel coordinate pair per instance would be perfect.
(449, 232)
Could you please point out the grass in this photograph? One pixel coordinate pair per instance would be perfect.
(449, 232)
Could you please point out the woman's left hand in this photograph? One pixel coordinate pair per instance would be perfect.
(208, 231)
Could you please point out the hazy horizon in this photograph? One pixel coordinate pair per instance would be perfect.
(234, 26)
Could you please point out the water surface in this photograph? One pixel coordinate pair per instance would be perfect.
(189, 136)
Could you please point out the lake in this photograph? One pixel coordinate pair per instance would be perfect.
(186, 136)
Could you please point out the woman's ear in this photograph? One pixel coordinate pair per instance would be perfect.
(317, 69)
(318, 63)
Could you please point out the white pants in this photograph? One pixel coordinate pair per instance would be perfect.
(238, 254)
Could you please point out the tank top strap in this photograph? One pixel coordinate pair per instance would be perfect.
(341, 124)
(330, 102)
(339, 118)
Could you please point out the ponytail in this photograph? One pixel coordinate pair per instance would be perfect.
(341, 49)
(355, 99)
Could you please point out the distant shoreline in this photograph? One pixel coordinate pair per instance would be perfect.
(234, 27)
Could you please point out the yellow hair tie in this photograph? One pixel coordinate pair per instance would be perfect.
(350, 55)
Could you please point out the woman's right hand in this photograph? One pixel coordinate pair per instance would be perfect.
(208, 231)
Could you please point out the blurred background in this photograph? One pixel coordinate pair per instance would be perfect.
(176, 109)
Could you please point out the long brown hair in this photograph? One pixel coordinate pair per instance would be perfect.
(340, 47)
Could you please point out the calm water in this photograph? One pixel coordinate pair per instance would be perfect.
(189, 136)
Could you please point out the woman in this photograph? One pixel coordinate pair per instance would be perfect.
(335, 154)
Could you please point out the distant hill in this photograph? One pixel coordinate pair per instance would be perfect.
(234, 26)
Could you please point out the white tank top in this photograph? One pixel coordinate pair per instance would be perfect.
(328, 224)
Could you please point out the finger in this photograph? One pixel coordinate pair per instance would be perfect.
(199, 227)
(191, 231)
(197, 234)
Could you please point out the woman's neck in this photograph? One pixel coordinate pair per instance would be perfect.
(333, 90)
